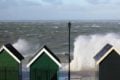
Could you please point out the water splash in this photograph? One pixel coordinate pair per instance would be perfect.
(22, 45)
(25, 47)
(87, 46)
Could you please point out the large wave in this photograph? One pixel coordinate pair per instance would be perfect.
(87, 46)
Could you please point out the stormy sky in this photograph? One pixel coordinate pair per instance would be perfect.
(59, 9)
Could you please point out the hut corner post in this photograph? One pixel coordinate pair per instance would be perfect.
(69, 28)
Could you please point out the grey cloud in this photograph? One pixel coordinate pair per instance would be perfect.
(99, 1)
(102, 9)
(7, 3)
(16, 3)
(53, 1)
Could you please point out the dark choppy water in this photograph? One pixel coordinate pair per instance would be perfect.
(54, 34)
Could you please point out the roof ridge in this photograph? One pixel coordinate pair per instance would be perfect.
(14, 51)
(48, 52)
(103, 51)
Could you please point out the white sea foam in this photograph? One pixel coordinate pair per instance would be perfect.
(22, 45)
(95, 25)
(56, 27)
(25, 47)
(86, 47)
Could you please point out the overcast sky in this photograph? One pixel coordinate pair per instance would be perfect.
(59, 9)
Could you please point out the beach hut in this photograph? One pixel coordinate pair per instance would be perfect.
(108, 62)
(44, 65)
(10, 63)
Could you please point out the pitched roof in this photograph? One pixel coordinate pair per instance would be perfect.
(47, 51)
(13, 52)
(103, 53)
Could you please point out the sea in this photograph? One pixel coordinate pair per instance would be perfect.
(30, 36)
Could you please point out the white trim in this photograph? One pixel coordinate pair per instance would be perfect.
(1, 48)
(105, 55)
(40, 53)
(4, 48)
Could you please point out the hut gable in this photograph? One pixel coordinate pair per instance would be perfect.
(12, 52)
(104, 52)
(46, 51)
(108, 62)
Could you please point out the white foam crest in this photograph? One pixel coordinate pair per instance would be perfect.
(95, 25)
(86, 47)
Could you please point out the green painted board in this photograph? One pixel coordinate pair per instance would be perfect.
(9, 67)
(44, 68)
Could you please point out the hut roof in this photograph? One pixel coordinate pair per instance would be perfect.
(13, 52)
(104, 52)
(47, 51)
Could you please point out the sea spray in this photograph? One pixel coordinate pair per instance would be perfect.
(87, 46)
(25, 47)
(22, 45)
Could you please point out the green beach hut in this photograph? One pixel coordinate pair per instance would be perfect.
(44, 65)
(10, 63)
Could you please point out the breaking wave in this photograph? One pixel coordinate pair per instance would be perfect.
(22, 45)
(87, 46)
